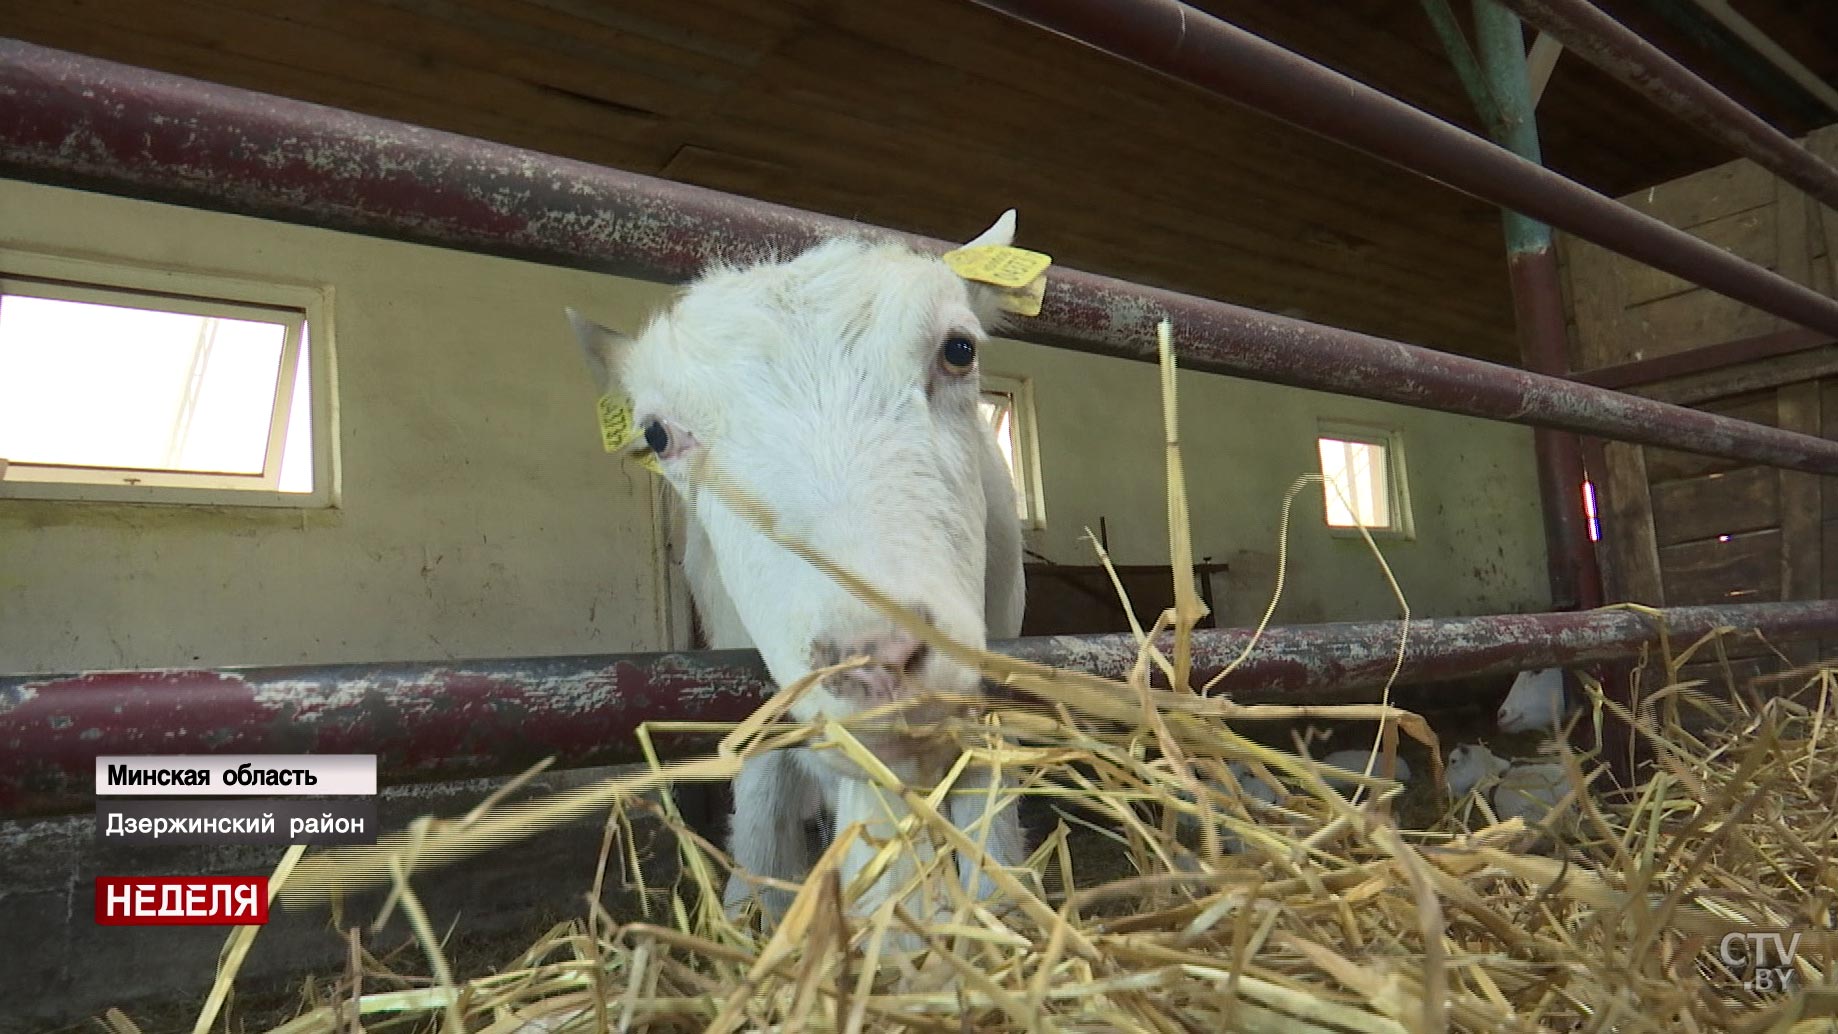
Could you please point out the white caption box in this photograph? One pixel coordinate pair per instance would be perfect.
(237, 775)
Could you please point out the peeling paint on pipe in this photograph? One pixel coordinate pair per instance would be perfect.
(496, 717)
(81, 122)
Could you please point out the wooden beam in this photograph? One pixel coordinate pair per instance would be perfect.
(1776, 55)
(1540, 61)
(1704, 358)
(1758, 73)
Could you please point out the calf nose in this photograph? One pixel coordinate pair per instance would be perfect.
(894, 655)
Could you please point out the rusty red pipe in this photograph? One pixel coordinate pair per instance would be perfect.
(1575, 576)
(495, 717)
(82, 122)
(1193, 47)
(1593, 35)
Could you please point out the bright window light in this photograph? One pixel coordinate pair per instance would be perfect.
(108, 387)
(1358, 487)
(1004, 405)
(998, 410)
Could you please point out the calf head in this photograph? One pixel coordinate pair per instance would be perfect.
(839, 389)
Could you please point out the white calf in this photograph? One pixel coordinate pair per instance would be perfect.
(839, 389)
(1469, 764)
(1536, 702)
(1520, 789)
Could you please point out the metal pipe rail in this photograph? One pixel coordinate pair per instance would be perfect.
(99, 125)
(1597, 38)
(1193, 47)
(495, 717)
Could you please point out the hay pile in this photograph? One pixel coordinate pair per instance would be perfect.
(1330, 916)
(1331, 919)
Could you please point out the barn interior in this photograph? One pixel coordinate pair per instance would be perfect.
(460, 504)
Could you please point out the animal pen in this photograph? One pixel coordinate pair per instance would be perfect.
(75, 121)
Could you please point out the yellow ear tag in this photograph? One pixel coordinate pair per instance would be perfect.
(1018, 275)
(618, 435)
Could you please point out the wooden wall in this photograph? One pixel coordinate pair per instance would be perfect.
(1681, 529)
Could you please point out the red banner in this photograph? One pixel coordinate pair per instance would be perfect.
(182, 900)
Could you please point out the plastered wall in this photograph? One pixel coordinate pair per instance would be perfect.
(1478, 546)
(479, 518)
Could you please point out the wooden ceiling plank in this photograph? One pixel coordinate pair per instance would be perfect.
(739, 35)
(294, 36)
(1248, 228)
(1286, 281)
(542, 29)
(954, 117)
(1038, 97)
(183, 48)
(442, 29)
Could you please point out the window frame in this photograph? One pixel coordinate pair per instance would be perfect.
(303, 309)
(1390, 441)
(1026, 475)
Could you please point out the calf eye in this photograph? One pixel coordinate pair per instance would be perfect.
(958, 354)
(657, 436)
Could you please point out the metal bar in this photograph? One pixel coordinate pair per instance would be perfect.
(1538, 306)
(1704, 358)
(1193, 47)
(1467, 68)
(1576, 578)
(102, 125)
(82, 122)
(495, 717)
(1621, 53)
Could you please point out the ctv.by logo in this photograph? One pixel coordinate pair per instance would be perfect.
(1766, 958)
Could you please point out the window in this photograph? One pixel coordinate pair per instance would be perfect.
(128, 386)
(1008, 405)
(1363, 479)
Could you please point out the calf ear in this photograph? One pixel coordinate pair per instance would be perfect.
(985, 301)
(1001, 233)
(601, 347)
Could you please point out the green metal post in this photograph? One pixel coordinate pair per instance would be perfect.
(1531, 262)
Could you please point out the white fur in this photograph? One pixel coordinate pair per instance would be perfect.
(1356, 761)
(1254, 788)
(1536, 702)
(814, 385)
(1468, 765)
(1529, 792)
(1524, 790)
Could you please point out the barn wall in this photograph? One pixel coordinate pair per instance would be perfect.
(479, 517)
(1478, 545)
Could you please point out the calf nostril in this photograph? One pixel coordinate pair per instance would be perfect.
(916, 660)
(899, 651)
